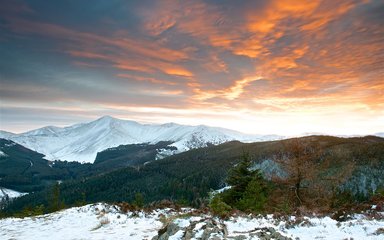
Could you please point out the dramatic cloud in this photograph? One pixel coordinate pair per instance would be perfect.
(265, 66)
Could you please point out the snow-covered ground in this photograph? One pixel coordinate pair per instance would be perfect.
(98, 221)
(102, 221)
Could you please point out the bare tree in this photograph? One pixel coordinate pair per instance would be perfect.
(313, 174)
(298, 161)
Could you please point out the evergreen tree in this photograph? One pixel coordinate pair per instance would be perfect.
(56, 203)
(255, 195)
(238, 179)
(139, 200)
(248, 190)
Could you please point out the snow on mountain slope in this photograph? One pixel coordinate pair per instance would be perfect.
(81, 142)
(6, 135)
(4, 192)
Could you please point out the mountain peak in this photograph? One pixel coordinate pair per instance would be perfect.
(106, 118)
(113, 121)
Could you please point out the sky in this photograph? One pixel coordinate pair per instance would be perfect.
(259, 66)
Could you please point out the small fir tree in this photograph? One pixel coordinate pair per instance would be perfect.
(248, 190)
(139, 200)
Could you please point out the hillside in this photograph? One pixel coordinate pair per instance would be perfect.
(130, 155)
(189, 176)
(23, 169)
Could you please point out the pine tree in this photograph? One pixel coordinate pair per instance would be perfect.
(255, 195)
(248, 188)
(55, 202)
(238, 179)
(139, 200)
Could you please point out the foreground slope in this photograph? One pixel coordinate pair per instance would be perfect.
(103, 221)
(81, 142)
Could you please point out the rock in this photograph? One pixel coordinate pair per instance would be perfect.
(188, 235)
(239, 237)
(268, 234)
(169, 230)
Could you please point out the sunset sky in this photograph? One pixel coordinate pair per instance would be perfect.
(266, 66)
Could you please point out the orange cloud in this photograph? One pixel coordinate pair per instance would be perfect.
(230, 93)
(178, 72)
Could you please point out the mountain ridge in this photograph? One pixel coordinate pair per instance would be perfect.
(81, 142)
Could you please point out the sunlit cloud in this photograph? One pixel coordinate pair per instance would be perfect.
(280, 66)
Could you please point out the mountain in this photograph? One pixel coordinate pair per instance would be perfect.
(81, 142)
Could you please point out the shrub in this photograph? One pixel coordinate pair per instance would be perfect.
(219, 207)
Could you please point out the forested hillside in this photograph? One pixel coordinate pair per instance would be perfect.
(348, 165)
(25, 170)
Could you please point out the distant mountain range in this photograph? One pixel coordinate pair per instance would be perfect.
(81, 142)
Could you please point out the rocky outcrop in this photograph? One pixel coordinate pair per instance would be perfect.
(213, 229)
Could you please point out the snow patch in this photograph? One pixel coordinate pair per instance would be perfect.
(2, 154)
(177, 236)
(4, 192)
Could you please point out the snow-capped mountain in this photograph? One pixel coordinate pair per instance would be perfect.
(81, 142)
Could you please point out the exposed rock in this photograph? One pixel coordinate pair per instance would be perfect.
(263, 234)
(215, 230)
(167, 231)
